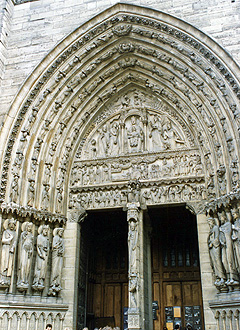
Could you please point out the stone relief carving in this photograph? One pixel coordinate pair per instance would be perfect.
(134, 133)
(57, 262)
(41, 263)
(185, 164)
(25, 255)
(201, 57)
(108, 197)
(8, 249)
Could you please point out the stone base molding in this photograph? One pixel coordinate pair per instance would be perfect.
(17, 312)
(226, 311)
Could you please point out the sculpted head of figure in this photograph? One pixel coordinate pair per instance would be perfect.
(12, 224)
(133, 120)
(29, 227)
(235, 213)
(211, 222)
(222, 217)
(43, 229)
(132, 225)
(58, 231)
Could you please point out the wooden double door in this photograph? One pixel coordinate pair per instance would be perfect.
(181, 303)
(176, 288)
(176, 285)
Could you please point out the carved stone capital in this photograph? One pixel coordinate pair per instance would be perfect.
(133, 211)
(78, 215)
(196, 207)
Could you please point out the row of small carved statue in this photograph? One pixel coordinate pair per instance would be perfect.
(224, 247)
(21, 250)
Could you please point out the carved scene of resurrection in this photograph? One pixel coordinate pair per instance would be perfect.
(120, 191)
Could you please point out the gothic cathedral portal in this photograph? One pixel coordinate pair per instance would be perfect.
(119, 181)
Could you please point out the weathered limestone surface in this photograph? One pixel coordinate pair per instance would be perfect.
(134, 107)
(34, 28)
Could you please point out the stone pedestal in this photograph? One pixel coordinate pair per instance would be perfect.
(226, 310)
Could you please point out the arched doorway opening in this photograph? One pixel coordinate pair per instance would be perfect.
(176, 280)
(104, 262)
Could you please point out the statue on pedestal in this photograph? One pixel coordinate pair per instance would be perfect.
(214, 247)
(236, 236)
(43, 247)
(25, 255)
(227, 250)
(57, 262)
(9, 241)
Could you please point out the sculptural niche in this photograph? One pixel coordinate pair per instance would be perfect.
(57, 262)
(9, 240)
(43, 247)
(25, 255)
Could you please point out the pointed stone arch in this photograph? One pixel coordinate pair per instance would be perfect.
(169, 59)
(185, 76)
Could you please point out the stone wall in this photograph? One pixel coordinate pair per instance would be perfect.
(35, 27)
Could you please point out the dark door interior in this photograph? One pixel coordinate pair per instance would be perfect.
(175, 269)
(104, 235)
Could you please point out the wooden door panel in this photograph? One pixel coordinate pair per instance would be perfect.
(97, 300)
(157, 297)
(125, 295)
(117, 305)
(191, 293)
(109, 300)
(172, 294)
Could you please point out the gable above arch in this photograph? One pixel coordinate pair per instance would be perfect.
(191, 81)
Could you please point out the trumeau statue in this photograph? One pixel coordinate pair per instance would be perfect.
(57, 262)
(132, 245)
(25, 255)
(133, 257)
(43, 248)
(9, 241)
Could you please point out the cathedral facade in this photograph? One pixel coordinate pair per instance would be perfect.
(119, 165)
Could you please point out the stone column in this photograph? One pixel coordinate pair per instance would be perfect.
(71, 267)
(208, 288)
(138, 271)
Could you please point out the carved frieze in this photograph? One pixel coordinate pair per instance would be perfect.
(152, 194)
(149, 167)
